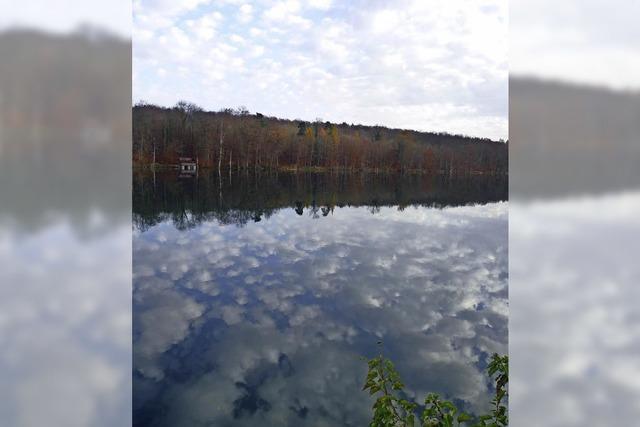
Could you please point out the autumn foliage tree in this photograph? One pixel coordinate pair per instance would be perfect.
(236, 140)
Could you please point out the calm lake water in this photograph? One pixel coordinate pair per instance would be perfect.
(256, 297)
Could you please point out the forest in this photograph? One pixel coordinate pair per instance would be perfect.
(237, 140)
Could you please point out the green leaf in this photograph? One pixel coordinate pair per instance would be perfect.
(464, 417)
(448, 405)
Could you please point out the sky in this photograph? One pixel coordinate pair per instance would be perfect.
(433, 65)
(63, 16)
(415, 64)
(581, 41)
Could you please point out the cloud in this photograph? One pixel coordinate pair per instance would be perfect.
(65, 331)
(320, 4)
(581, 41)
(384, 21)
(245, 13)
(163, 322)
(574, 325)
(282, 11)
(438, 66)
(205, 26)
(68, 15)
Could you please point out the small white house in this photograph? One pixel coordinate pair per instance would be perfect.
(188, 164)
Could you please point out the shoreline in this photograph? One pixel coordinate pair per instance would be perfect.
(315, 169)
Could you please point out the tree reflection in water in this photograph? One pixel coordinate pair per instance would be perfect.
(162, 196)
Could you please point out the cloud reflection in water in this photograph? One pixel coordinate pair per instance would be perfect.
(266, 323)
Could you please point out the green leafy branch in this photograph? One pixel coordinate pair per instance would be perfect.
(390, 410)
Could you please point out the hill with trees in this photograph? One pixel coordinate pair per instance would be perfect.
(572, 139)
(65, 128)
(235, 139)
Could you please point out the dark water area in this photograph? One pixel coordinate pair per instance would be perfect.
(241, 198)
(256, 297)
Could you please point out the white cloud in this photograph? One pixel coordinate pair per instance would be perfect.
(237, 39)
(68, 342)
(68, 15)
(245, 14)
(385, 21)
(282, 10)
(204, 28)
(320, 4)
(427, 65)
(256, 32)
(588, 42)
(164, 323)
(257, 51)
(573, 324)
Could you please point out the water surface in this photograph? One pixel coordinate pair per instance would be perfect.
(255, 298)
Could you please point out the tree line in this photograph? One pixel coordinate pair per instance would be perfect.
(237, 140)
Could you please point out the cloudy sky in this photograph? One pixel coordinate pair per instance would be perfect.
(426, 65)
(585, 41)
(62, 16)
